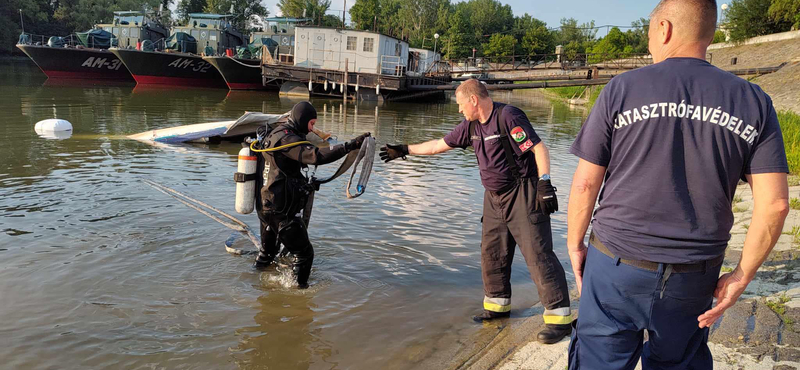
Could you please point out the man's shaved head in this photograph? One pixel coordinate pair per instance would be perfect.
(692, 20)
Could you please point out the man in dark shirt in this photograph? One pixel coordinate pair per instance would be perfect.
(514, 166)
(671, 141)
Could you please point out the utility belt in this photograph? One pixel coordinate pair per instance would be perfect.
(513, 184)
(701, 266)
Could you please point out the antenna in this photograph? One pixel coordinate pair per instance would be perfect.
(160, 8)
(21, 23)
(231, 9)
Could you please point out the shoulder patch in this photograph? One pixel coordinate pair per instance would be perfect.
(518, 134)
(526, 145)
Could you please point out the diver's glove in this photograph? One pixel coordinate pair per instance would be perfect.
(356, 143)
(546, 199)
(391, 152)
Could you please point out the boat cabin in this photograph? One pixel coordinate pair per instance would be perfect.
(131, 27)
(212, 30)
(365, 51)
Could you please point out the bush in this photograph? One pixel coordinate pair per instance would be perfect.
(790, 127)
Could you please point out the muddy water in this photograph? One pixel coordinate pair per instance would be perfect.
(99, 270)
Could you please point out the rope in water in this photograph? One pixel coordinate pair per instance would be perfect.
(195, 204)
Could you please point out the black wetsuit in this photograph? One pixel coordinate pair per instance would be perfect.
(283, 194)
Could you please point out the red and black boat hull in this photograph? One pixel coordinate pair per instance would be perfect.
(74, 63)
(239, 74)
(172, 69)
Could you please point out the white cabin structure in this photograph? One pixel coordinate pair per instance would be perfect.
(364, 51)
(422, 61)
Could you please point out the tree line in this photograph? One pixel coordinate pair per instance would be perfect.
(486, 26)
(749, 18)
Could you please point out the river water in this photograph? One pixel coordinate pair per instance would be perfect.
(100, 270)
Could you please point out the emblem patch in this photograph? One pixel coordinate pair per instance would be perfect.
(518, 134)
(526, 145)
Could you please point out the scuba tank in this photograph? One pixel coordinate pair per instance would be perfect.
(245, 178)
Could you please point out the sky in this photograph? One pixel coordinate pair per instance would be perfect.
(603, 12)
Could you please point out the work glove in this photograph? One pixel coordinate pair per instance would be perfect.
(356, 143)
(546, 199)
(391, 152)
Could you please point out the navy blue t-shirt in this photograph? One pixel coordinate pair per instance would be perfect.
(676, 137)
(495, 173)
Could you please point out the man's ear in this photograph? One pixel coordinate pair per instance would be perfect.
(666, 31)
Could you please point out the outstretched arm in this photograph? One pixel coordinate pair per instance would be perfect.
(429, 147)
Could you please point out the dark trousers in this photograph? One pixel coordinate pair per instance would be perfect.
(291, 232)
(509, 220)
(619, 302)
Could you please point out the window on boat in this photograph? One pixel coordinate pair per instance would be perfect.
(368, 42)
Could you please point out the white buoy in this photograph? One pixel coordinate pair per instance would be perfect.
(53, 129)
(309, 85)
(52, 125)
(326, 85)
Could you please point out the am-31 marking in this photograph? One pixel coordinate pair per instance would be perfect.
(184, 63)
(98, 62)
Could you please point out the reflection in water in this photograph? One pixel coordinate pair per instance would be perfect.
(102, 271)
(282, 336)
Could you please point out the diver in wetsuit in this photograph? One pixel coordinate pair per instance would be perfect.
(284, 190)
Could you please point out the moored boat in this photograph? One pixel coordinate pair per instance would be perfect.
(177, 61)
(85, 55)
(242, 70)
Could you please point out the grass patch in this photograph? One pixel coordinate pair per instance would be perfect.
(737, 209)
(567, 92)
(790, 127)
(745, 226)
(794, 180)
(593, 96)
(726, 269)
(794, 203)
(779, 307)
(737, 198)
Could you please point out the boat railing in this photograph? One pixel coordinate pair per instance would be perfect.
(392, 65)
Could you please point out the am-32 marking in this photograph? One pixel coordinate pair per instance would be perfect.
(184, 63)
(93, 62)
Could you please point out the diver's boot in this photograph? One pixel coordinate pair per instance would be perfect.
(263, 261)
(302, 270)
(487, 315)
(553, 333)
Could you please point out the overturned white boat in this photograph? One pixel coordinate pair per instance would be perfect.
(246, 125)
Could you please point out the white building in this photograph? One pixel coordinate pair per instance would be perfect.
(365, 52)
(422, 61)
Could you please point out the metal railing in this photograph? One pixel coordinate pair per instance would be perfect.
(392, 65)
(565, 61)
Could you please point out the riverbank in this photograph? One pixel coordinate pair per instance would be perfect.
(762, 331)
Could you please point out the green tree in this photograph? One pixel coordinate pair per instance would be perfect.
(750, 18)
(487, 17)
(455, 46)
(330, 20)
(785, 11)
(576, 38)
(538, 40)
(719, 36)
(38, 20)
(637, 36)
(186, 7)
(242, 10)
(612, 46)
(500, 45)
(364, 14)
(313, 8)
